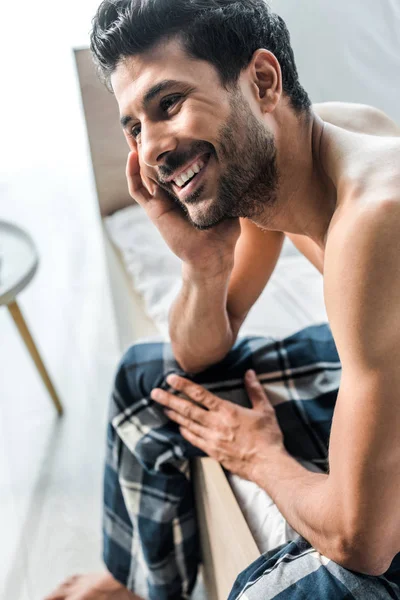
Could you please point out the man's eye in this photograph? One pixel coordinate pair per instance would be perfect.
(169, 101)
(135, 131)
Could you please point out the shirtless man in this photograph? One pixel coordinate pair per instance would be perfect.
(266, 164)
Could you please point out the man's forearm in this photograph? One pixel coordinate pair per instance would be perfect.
(200, 329)
(299, 494)
(313, 508)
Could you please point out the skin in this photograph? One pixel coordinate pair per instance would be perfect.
(95, 586)
(200, 117)
(340, 190)
(338, 200)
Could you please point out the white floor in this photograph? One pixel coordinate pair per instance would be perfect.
(50, 468)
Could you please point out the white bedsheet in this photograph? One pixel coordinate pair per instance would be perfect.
(292, 300)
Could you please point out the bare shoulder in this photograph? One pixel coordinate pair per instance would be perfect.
(365, 167)
(359, 118)
(368, 209)
(362, 277)
(374, 170)
(365, 222)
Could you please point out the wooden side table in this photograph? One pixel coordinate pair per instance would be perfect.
(18, 264)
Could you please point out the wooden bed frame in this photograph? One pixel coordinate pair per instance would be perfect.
(228, 546)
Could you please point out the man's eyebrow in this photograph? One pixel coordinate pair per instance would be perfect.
(152, 93)
(125, 120)
(156, 89)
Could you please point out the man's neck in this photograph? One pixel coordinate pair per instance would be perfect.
(306, 195)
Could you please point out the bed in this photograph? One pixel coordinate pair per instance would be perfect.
(237, 520)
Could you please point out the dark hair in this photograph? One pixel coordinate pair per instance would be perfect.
(226, 33)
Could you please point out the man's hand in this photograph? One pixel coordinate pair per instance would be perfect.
(211, 250)
(243, 440)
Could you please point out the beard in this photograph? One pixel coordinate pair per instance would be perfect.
(249, 184)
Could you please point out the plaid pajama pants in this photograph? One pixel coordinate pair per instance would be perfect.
(151, 542)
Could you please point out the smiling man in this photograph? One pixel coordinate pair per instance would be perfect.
(227, 156)
(201, 176)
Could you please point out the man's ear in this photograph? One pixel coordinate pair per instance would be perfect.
(266, 78)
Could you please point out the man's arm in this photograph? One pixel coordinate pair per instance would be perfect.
(220, 304)
(207, 314)
(362, 298)
(350, 515)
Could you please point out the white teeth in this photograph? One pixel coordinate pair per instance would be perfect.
(183, 177)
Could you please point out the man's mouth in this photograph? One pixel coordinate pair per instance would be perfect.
(191, 176)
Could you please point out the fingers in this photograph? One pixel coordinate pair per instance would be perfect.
(255, 391)
(185, 408)
(195, 428)
(194, 391)
(135, 184)
(150, 185)
(138, 182)
(161, 209)
(194, 439)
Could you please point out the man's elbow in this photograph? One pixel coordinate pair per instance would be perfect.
(191, 367)
(192, 361)
(357, 553)
(192, 364)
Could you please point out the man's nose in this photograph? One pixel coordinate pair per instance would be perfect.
(156, 141)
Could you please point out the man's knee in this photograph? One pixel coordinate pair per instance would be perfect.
(140, 369)
(135, 419)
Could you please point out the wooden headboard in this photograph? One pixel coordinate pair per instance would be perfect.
(108, 146)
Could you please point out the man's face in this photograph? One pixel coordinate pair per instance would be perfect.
(197, 140)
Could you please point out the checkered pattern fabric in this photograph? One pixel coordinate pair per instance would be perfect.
(151, 542)
(296, 571)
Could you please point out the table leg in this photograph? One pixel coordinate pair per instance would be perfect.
(33, 351)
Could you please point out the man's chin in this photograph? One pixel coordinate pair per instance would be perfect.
(205, 226)
(203, 220)
(202, 213)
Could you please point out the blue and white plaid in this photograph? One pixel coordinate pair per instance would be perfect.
(151, 542)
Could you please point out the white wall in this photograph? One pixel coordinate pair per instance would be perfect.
(347, 50)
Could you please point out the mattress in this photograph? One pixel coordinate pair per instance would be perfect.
(293, 299)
